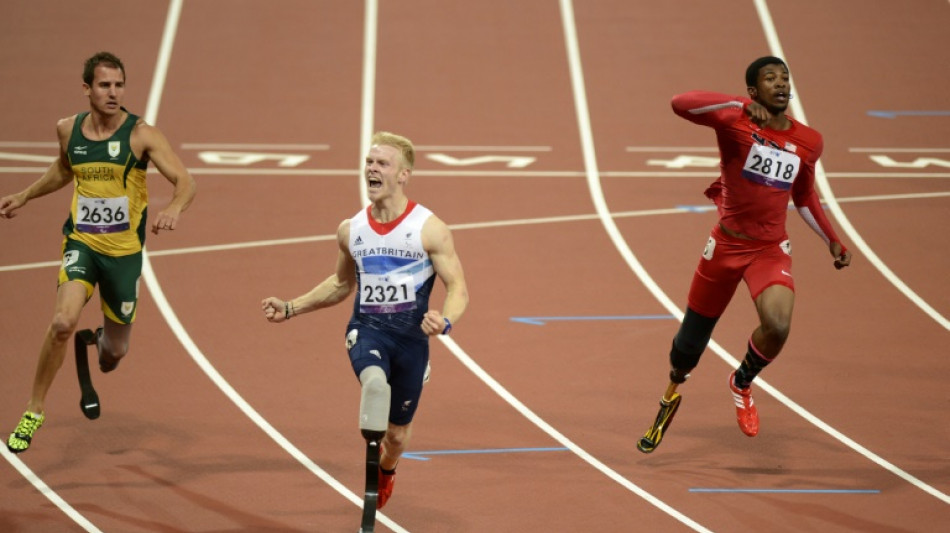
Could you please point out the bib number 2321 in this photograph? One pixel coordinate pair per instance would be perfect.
(386, 293)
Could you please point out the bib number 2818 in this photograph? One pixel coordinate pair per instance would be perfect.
(772, 167)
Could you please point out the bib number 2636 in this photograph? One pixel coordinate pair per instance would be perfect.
(102, 215)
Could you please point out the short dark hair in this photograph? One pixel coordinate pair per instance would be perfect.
(101, 58)
(752, 73)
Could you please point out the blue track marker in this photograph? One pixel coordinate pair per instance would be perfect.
(895, 114)
(424, 455)
(705, 208)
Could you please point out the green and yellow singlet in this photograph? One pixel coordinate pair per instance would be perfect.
(110, 199)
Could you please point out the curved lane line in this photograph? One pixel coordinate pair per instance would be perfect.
(593, 179)
(597, 196)
(178, 329)
(461, 226)
(456, 350)
(174, 11)
(829, 196)
(561, 438)
(50, 494)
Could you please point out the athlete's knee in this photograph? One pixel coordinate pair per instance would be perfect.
(682, 363)
(686, 345)
(397, 436)
(373, 381)
(374, 399)
(690, 341)
(776, 328)
(116, 349)
(63, 326)
(774, 306)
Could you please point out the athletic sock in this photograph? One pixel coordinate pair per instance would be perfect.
(388, 472)
(753, 363)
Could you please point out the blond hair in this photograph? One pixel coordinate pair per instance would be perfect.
(404, 145)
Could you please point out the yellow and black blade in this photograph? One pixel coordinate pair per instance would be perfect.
(655, 434)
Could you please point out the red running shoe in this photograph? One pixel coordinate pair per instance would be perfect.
(746, 413)
(385, 490)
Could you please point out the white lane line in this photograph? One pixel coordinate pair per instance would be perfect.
(908, 196)
(527, 174)
(829, 197)
(460, 354)
(674, 149)
(886, 175)
(368, 98)
(50, 494)
(253, 146)
(174, 10)
(465, 148)
(10, 156)
(901, 150)
(499, 389)
(590, 166)
(464, 226)
(29, 144)
(179, 330)
(828, 194)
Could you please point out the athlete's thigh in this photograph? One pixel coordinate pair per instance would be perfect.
(118, 335)
(366, 347)
(407, 378)
(771, 266)
(119, 286)
(717, 275)
(774, 306)
(71, 298)
(79, 265)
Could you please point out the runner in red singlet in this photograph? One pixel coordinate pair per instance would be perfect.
(767, 157)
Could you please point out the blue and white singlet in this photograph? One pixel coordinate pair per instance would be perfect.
(394, 273)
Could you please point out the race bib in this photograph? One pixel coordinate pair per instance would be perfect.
(387, 293)
(771, 166)
(102, 215)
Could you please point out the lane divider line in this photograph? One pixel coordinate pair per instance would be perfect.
(49, 493)
(179, 330)
(171, 23)
(829, 198)
(541, 320)
(784, 491)
(828, 195)
(597, 196)
(465, 226)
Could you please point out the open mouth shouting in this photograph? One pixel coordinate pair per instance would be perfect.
(374, 182)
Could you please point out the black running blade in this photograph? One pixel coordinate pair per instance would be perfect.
(368, 523)
(89, 401)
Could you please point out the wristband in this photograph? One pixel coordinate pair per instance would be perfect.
(286, 310)
(448, 326)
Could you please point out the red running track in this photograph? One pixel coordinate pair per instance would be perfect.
(172, 452)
